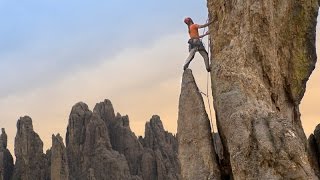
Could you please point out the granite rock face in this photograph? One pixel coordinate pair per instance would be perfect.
(31, 162)
(59, 162)
(196, 147)
(89, 151)
(6, 160)
(261, 62)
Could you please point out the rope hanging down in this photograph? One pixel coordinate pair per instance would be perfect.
(208, 100)
(208, 74)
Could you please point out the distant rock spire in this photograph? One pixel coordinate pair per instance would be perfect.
(59, 161)
(152, 157)
(6, 160)
(89, 150)
(160, 149)
(3, 139)
(30, 161)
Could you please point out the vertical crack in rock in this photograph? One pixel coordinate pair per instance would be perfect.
(261, 61)
(196, 148)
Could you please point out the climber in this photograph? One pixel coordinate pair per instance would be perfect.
(195, 43)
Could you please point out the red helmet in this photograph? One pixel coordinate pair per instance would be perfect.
(187, 20)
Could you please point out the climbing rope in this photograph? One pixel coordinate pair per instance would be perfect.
(208, 101)
(208, 74)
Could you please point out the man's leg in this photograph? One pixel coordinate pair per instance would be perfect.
(189, 59)
(205, 56)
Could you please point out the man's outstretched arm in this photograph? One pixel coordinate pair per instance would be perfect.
(205, 25)
(201, 36)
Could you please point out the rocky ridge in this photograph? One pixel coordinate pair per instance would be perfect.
(99, 145)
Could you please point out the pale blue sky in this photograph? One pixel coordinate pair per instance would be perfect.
(41, 41)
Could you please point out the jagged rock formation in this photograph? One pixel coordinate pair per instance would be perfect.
(196, 148)
(31, 163)
(106, 111)
(125, 142)
(48, 164)
(152, 157)
(89, 151)
(59, 163)
(261, 61)
(99, 145)
(6, 160)
(164, 147)
(122, 138)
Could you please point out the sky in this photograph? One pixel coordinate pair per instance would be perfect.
(55, 53)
